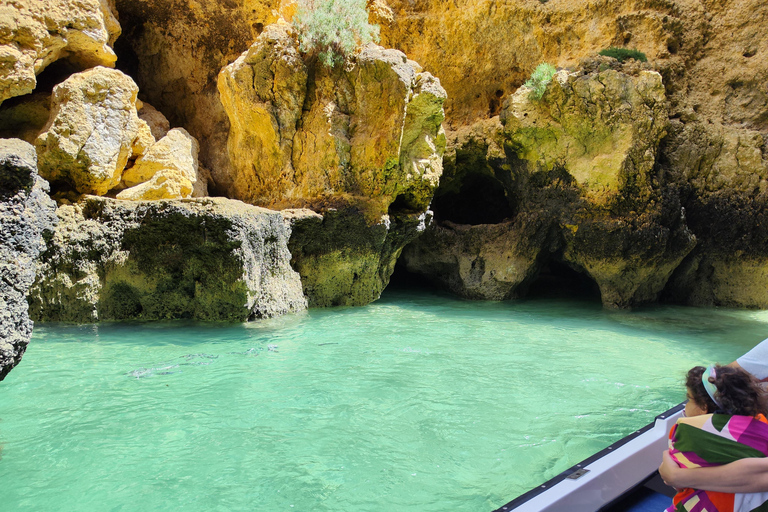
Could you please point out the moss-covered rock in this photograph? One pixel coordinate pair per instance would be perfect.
(568, 179)
(208, 259)
(722, 174)
(602, 127)
(343, 260)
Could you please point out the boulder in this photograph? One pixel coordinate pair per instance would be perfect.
(370, 133)
(26, 214)
(36, 33)
(207, 259)
(93, 131)
(167, 170)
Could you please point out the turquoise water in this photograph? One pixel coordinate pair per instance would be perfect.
(419, 402)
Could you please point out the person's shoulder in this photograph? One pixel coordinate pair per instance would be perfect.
(695, 421)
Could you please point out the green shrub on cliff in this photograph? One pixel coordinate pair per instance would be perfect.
(333, 29)
(539, 80)
(622, 54)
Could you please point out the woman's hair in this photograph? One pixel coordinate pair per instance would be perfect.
(738, 392)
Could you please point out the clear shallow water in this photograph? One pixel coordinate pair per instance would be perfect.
(419, 402)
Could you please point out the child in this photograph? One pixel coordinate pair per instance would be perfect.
(724, 420)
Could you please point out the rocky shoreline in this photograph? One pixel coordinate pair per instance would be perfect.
(201, 165)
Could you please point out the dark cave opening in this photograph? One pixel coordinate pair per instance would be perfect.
(127, 60)
(54, 74)
(556, 280)
(480, 199)
(402, 279)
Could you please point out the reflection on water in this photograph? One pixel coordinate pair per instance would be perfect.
(417, 402)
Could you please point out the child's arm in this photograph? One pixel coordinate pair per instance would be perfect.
(755, 361)
(745, 475)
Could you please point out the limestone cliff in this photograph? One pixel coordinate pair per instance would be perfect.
(208, 259)
(26, 215)
(612, 174)
(710, 52)
(367, 134)
(567, 178)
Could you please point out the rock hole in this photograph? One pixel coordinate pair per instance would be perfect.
(479, 199)
(673, 47)
(403, 205)
(494, 104)
(54, 74)
(557, 280)
(127, 60)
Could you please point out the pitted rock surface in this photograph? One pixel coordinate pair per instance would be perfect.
(26, 214)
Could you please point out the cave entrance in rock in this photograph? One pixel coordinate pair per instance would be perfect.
(556, 280)
(402, 279)
(479, 199)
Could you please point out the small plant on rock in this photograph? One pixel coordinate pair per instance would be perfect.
(539, 80)
(622, 54)
(333, 29)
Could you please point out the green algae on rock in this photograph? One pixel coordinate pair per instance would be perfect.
(344, 260)
(568, 178)
(207, 259)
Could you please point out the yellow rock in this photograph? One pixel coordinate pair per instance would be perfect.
(36, 33)
(93, 131)
(167, 170)
(181, 46)
(371, 131)
(166, 184)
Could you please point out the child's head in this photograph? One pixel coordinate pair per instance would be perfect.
(731, 390)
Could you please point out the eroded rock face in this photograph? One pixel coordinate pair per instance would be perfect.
(710, 53)
(602, 127)
(722, 172)
(35, 33)
(342, 259)
(93, 131)
(26, 213)
(178, 48)
(486, 261)
(300, 134)
(565, 179)
(209, 259)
